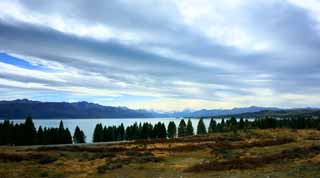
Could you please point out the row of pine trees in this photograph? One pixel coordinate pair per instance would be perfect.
(132, 132)
(148, 131)
(26, 134)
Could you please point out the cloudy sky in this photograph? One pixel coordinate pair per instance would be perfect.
(162, 54)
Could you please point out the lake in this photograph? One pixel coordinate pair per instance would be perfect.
(88, 125)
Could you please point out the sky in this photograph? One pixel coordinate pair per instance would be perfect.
(163, 55)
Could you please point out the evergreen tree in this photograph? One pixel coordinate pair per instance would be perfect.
(78, 136)
(29, 132)
(135, 131)
(222, 125)
(182, 129)
(98, 133)
(68, 136)
(157, 130)
(246, 124)
(128, 133)
(201, 129)
(144, 131)
(61, 134)
(45, 136)
(233, 124)
(105, 134)
(172, 130)
(40, 136)
(241, 123)
(163, 131)
(212, 126)
(147, 131)
(189, 131)
(8, 133)
(138, 134)
(61, 127)
(1, 133)
(112, 132)
(121, 132)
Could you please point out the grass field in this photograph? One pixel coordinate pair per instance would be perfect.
(253, 153)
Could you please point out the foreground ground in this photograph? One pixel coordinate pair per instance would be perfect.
(254, 153)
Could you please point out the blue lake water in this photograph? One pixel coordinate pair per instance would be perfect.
(88, 125)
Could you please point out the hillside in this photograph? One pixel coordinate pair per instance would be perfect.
(233, 111)
(251, 153)
(18, 109)
(285, 113)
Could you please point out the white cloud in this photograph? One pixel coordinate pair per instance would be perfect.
(183, 54)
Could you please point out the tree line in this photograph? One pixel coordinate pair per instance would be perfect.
(26, 134)
(132, 132)
(146, 131)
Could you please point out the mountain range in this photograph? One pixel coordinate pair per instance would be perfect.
(284, 113)
(18, 109)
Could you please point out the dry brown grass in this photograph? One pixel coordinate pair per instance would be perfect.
(255, 152)
(253, 162)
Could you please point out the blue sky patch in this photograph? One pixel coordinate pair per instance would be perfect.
(8, 59)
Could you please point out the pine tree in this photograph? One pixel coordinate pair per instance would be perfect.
(172, 130)
(45, 136)
(78, 136)
(7, 136)
(68, 136)
(212, 126)
(163, 131)
(112, 133)
(147, 131)
(1, 134)
(201, 129)
(128, 133)
(233, 124)
(98, 133)
(40, 136)
(121, 132)
(61, 134)
(29, 132)
(106, 134)
(157, 130)
(135, 131)
(222, 125)
(138, 134)
(182, 128)
(241, 123)
(190, 130)
(246, 124)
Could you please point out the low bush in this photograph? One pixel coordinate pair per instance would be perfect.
(16, 157)
(253, 162)
(47, 159)
(44, 174)
(142, 156)
(110, 165)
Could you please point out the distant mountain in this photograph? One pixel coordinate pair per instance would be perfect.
(284, 113)
(18, 109)
(221, 112)
(21, 108)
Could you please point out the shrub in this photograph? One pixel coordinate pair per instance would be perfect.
(47, 159)
(104, 155)
(109, 166)
(44, 174)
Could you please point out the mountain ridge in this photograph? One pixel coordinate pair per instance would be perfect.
(20, 108)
